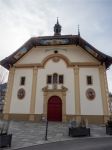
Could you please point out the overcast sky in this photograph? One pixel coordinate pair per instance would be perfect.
(22, 19)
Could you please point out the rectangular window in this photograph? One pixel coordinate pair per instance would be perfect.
(61, 79)
(22, 81)
(49, 79)
(89, 80)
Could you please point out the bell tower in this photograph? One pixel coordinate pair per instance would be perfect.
(57, 29)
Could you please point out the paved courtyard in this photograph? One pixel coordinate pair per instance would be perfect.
(28, 134)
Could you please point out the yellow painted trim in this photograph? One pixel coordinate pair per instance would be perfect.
(23, 117)
(32, 117)
(33, 96)
(64, 58)
(6, 116)
(26, 65)
(9, 90)
(104, 91)
(91, 119)
(77, 91)
(71, 64)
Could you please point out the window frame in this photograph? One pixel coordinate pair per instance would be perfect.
(49, 75)
(59, 78)
(89, 81)
(22, 80)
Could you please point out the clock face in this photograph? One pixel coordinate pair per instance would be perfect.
(90, 94)
(21, 93)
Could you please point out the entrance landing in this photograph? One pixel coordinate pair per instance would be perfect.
(27, 134)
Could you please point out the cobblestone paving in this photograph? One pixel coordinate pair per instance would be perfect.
(28, 134)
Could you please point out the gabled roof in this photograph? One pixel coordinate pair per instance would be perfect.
(56, 40)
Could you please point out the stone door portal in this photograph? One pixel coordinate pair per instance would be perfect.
(54, 111)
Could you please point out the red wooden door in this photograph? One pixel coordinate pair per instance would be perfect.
(54, 112)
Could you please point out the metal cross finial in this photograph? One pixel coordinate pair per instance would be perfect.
(57, 20)
(78, 30)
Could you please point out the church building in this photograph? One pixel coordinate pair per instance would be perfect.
(59, 77)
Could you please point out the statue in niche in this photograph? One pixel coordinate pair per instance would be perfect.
(55, 80)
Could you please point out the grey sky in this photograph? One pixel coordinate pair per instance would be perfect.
(22, 19)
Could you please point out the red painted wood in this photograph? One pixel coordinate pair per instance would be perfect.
(54, 109)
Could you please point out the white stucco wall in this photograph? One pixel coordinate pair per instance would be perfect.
(17, 105)
(73, 53)
(90, 107)
(60, 68)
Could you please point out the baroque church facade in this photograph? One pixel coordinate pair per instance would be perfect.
(59, 77)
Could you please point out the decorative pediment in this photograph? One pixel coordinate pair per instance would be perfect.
(53, 41)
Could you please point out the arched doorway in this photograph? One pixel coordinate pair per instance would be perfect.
(54, 111)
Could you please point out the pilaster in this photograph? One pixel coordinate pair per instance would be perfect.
(104, 90)
(33, 96)
(9, 90)
(77, 92)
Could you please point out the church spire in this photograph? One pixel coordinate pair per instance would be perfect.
(57, 29)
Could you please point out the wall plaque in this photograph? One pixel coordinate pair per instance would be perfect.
(21, 93)
(90, 93)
